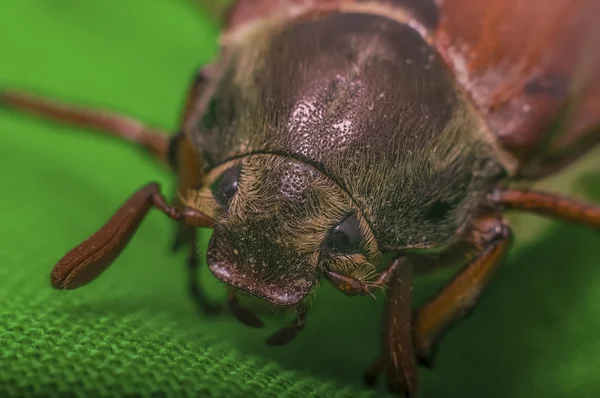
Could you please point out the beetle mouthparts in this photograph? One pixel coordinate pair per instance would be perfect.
(278, 294)
(278, 280)
(282, 336)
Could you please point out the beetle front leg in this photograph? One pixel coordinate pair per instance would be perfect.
(88, 260)
(460, 296)
(398, 360)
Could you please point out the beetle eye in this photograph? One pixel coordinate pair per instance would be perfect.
(345, 237)
(225, 187)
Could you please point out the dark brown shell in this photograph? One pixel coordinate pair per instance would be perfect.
(532, 68)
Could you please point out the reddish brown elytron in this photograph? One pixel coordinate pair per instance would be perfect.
(328, 135)
(527, 87)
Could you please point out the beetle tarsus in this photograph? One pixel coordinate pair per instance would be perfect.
(288, 333)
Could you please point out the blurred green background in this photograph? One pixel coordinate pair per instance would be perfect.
(135, 331)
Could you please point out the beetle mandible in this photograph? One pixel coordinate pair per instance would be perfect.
(327, 137)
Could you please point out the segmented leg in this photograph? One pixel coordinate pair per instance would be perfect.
(551, 205)
(92, 257)
(397, 360)
(398, 357)
(174, 151)
(155, 141)
(187, 163)
(460, 296)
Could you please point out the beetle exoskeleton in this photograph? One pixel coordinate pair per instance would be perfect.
(327, 137)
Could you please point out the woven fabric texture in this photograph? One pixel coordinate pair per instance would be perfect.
(135, 331)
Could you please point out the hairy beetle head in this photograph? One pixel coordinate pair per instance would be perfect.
(279, 222)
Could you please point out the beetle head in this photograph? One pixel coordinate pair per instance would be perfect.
(278, 222)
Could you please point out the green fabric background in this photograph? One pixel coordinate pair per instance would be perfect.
(536, 333)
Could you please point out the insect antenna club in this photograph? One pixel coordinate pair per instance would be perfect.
(326, 138)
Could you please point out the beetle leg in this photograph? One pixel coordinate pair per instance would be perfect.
(243, 314)
(286, 334)
(398, 357)
(460, 296)
(175, 151)
(88, 260)
(154, 141)
(157, 142)
(551, 205)
(186, 162)
(183, 158)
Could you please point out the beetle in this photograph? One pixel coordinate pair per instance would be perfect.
(358, 142)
